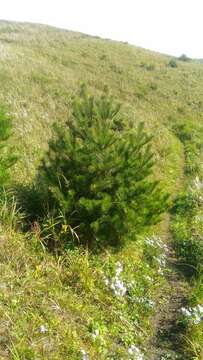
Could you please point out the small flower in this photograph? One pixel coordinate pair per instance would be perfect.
(197, 183)
(118, 287)
(147, 302)
(197, 319)
(131, 284)
(148, 278)
(200, 309)
(106, 281)
(135, 352)
(95, 334)
(116, 283)
(43, 329)
(160, 271)
(186, 311)
(131, 349)
(119, 269)
(84, 355)
(194, 314)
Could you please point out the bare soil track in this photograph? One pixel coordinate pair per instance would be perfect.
(168, 337)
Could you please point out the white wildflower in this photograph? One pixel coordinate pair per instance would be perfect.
(84, 355)
(106, 281)
(186, 311)
(198, 314)
(135, 353)
(197, 183)
(197, 319)
(156, 242)
(119, 269)
(161, 260)
(131, 284)
(149, 241)
(148, 278)
(149, 303)
(160, 271)
(43, 329)
(200, 309)
(116, 283)
(194, 314)
(95, 334)
(118, 287)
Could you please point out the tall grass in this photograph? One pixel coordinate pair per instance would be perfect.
(10, 213)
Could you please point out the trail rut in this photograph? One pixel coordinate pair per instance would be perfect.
(168, 338)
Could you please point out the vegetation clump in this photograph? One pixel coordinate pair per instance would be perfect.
(186, 228)
(172, 63)
(7, 159)
(184, 58)
(97, 174)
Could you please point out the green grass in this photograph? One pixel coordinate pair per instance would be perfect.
(187, 233)
(42, 67)
(40, 70)
(69, 297)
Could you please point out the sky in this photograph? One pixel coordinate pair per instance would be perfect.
(172, 27)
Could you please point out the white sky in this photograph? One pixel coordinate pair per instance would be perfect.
(169, 26)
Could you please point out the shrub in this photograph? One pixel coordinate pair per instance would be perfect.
(186, 203)
(172, 63)
(97, 174)
(184, 131)
(188, 245)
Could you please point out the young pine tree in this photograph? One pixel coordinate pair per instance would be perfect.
(97, 173)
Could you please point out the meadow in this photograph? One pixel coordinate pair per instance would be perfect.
(114, 304)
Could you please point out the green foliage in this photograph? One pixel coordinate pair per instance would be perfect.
(67, 299)
(7, 159)
(184, 130)
(172, 63)
(190, 136)
(184, 58)
(188, 245)
(192, 159)
(187, 225)
(97, 172)
(141, 91)
(186, 202)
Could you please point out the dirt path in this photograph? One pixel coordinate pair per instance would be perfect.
(167, 339)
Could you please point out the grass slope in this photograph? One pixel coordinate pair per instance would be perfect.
(52, 308)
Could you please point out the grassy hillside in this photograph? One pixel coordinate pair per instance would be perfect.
(66, 307)
(41, 67)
